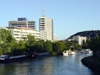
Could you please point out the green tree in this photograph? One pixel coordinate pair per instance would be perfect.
(5, 41)
(70, 43)
(58, 47)
(75, 42)
(21, 45)
(97, 36)
(88, 42)
(14, 47)
(78, 47)
(95, 45)
(31, 41)
(0, 50)
(48, 46)
(67, 46)
(84, 43)
(39, 47)
(63, 46)
(20, 48)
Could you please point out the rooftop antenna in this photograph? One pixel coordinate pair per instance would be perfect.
(43, 11)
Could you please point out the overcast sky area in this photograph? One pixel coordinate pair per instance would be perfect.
(69, 16)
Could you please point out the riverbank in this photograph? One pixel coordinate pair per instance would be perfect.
(92, 62)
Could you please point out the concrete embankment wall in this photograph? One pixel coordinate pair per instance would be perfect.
(92, 64)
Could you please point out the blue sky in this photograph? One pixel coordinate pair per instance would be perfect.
(69, 16)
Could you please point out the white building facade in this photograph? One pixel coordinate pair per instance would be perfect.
(79, 39)
(46, 24)
(20, 33)
(43, 35)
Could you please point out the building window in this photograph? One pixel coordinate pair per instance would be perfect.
(42, 18)
(18, 26)
(31, 22)
(31, 26)
(42, 23)
(14, 24)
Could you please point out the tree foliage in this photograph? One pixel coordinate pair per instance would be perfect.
(48, 46)
(95, 45)
(84, 43)
(20, 48)
(59, 46)
(31, 41)
(5, 41)
(8, 45)
(78, 47)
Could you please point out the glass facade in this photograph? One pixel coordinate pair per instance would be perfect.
(17, 24)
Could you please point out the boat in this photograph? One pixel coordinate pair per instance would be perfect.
(71, 52)
(90, 52)
(65, 53)
(86, 51)
(7, 59)
(39, 55)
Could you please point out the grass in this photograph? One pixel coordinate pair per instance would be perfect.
(96, 59)
(92, 64)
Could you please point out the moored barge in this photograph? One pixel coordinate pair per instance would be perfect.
(39, 55)
(7, 59)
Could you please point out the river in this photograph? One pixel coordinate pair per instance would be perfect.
(57, 65)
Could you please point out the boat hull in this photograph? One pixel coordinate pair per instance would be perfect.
(9, 60)
(40, 55)
(65, 54)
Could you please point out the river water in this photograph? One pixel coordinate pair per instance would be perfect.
(57, 65)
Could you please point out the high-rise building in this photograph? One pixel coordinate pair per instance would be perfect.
(43, 35)
(46, 24)
(22, 22)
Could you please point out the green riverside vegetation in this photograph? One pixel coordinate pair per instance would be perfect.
(93, 62)
(9, 45)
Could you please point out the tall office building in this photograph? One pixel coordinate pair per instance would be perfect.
(22, 22)
(46, 24)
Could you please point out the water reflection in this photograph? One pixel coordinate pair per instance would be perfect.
(46, 69)
(58, 65)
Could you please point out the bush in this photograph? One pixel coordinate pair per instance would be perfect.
(54, 53)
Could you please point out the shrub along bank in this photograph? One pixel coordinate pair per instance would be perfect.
(92, 63)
